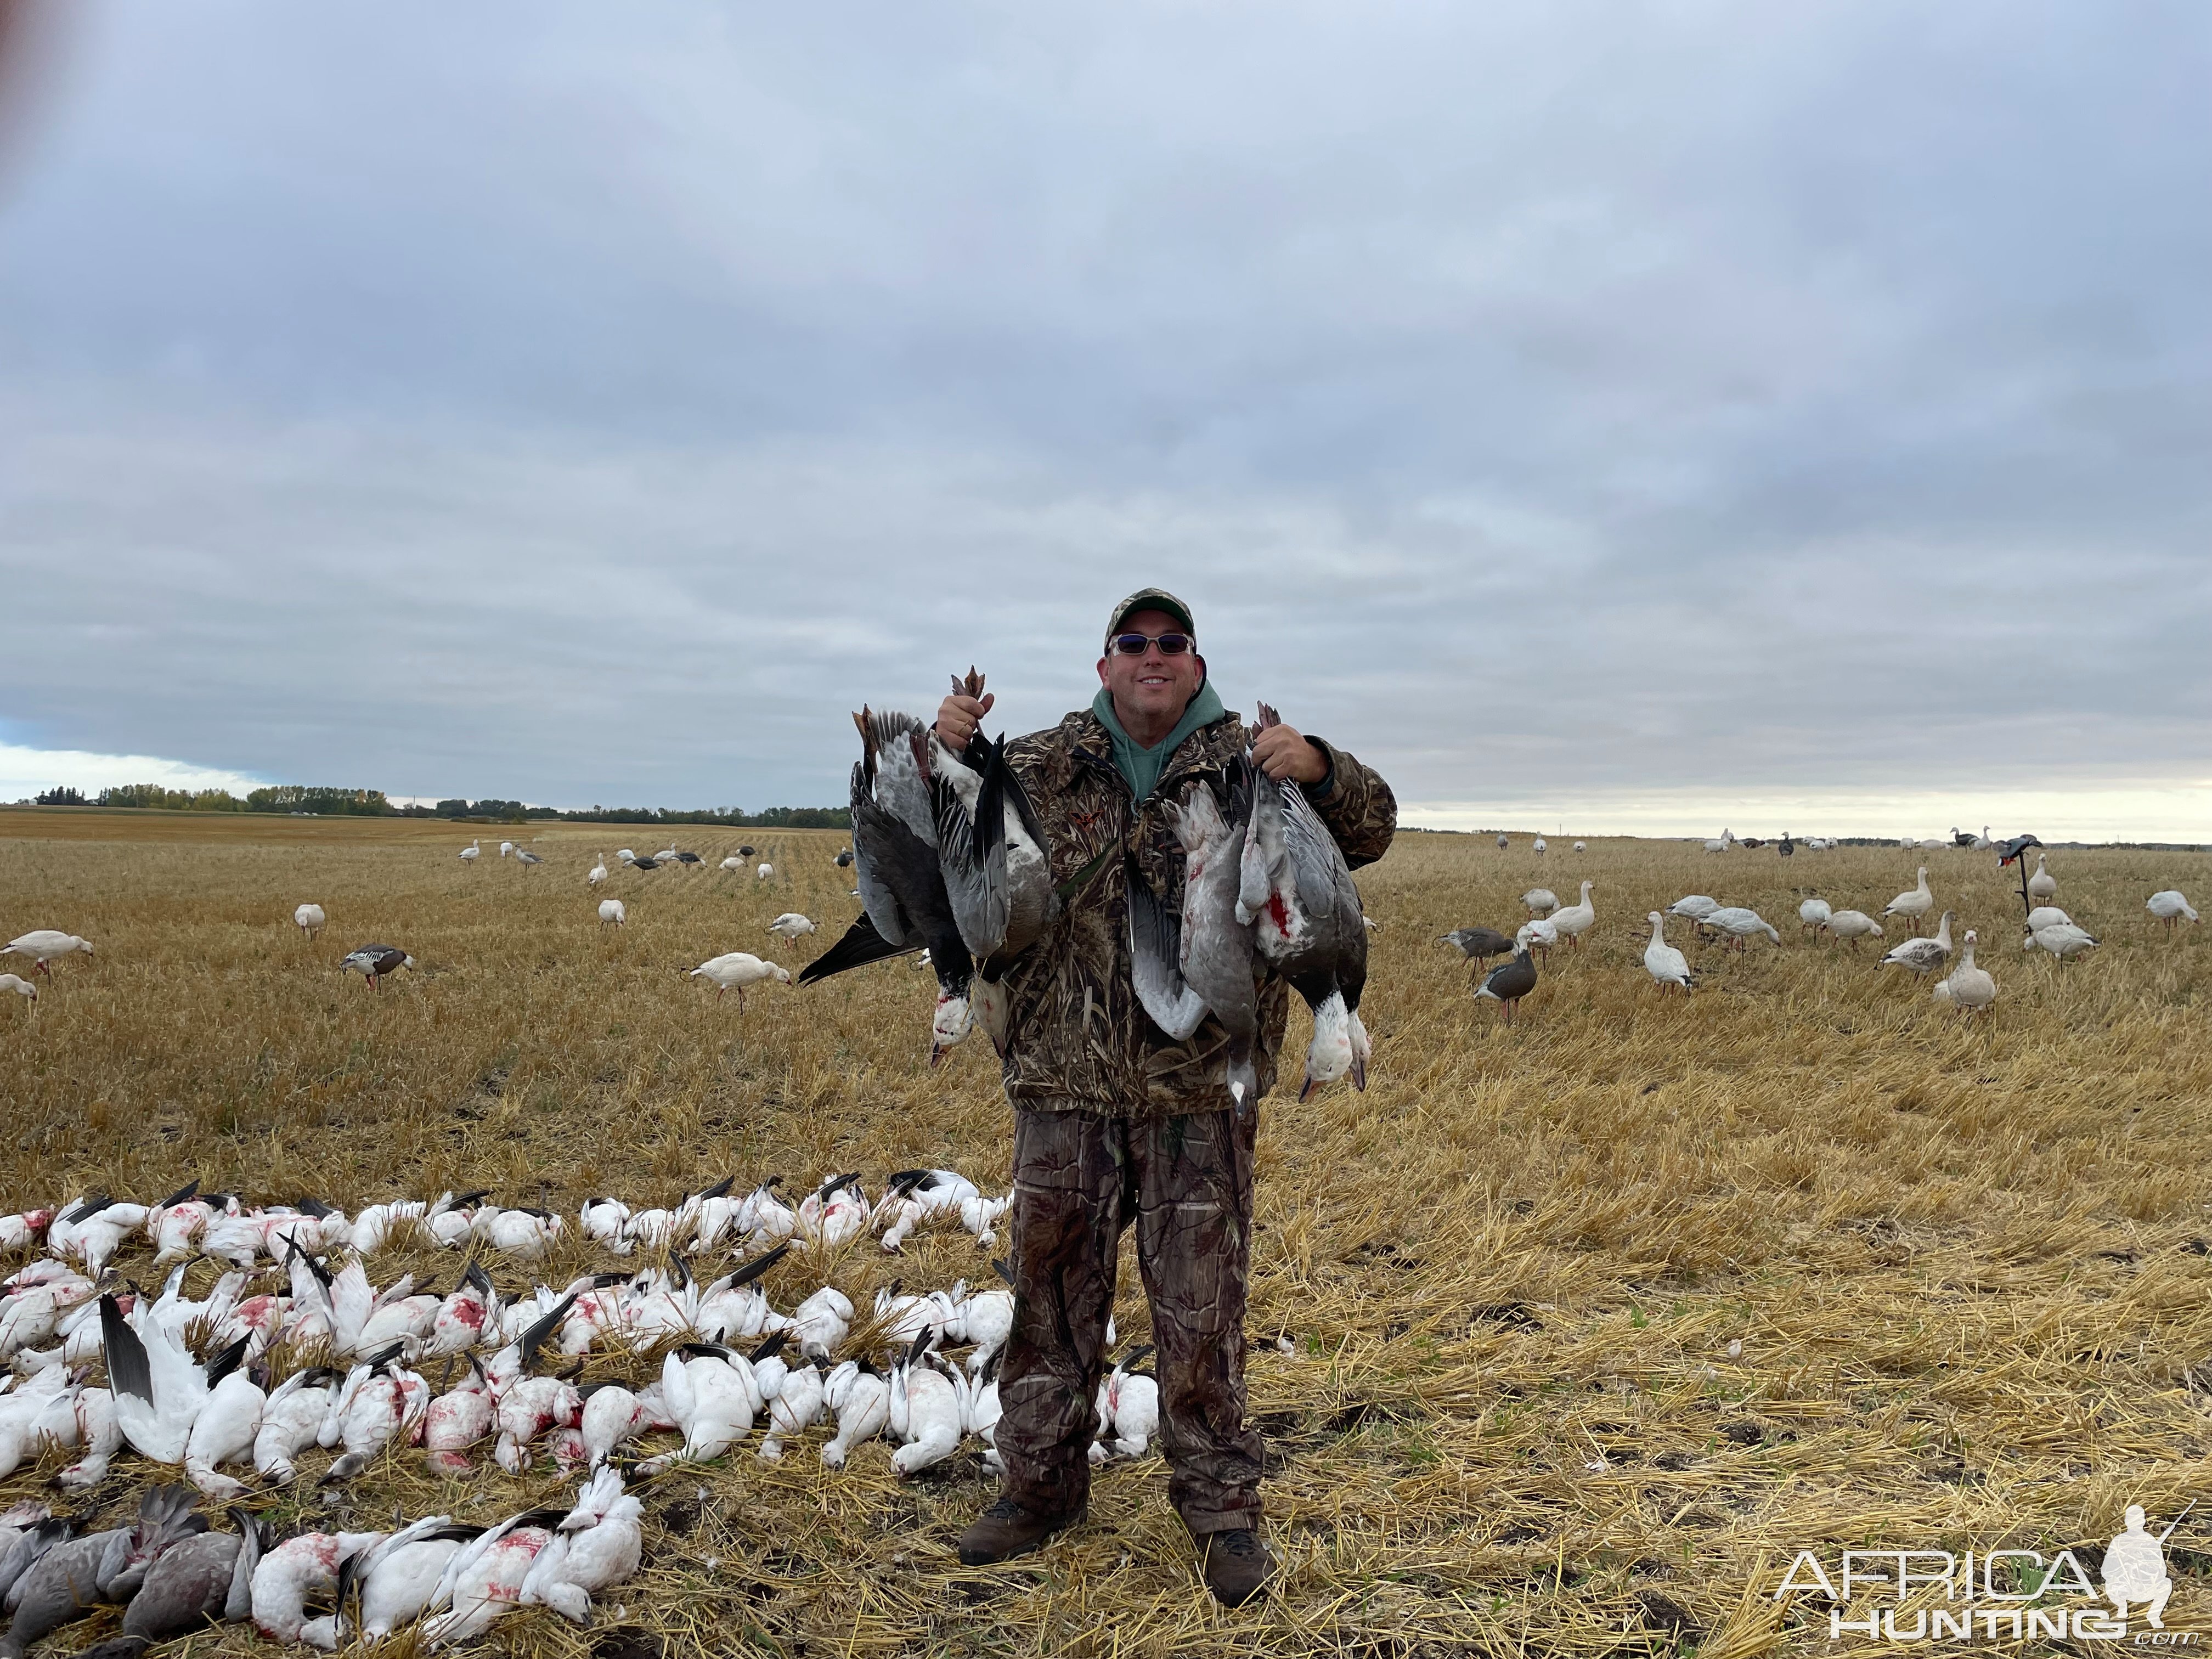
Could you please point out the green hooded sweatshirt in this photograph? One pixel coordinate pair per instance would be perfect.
(1141, 767)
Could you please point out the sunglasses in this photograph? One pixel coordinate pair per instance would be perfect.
(1170, 645)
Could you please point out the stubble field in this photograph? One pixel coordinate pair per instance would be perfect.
(1593, 1323)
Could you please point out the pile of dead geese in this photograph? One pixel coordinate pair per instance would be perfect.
(1965, 985)
(192, 1382)
(174, 1576)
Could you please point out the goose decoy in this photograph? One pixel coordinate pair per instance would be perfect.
(1696, 906)
(2042, 886)
(525, 857)
(1537, 933)
(643, 864)
(1666, 964)
(309, 918)
(375, 962)
(46, 944)
(1739, 924)
(613, 913)
(790, 926)
(1786, 847)
(1508, 982)
(1582, 846)
(1853, 925)
(20, 987)
(735, 969)
(688, 858)
(1922, 955)
(2061, 939)
(1813, 913)
(744, 852)
(1537, 847)
(1727, 841)
(765, 873)
(1577, 919)
(2170, 907)
(1501, 843)
(733, 862)
(1969, 987)
(1541, 901)
(472, 853)
(2047, 916)
(599, 870)
(1913, 904)
(844, 860)
(1477, 944)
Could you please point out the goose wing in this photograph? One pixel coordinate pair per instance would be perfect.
(1156, 963)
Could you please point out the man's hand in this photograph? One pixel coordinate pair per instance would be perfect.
(958, 716)
(1282, 753)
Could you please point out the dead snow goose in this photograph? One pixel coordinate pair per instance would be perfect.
(309, 918)
(46, 944)
(1914, 903)
(1666, 965)
(1922, 955)
(1970, 987)
(2042, 885)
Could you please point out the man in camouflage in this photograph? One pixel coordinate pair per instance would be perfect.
(1115, 1121)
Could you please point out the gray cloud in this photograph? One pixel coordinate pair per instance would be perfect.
(1551, 402)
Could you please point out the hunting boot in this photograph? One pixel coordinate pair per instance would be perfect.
(1007, 1530)
(1236, 1565)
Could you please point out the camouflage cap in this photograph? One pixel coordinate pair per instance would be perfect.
(1151, 598)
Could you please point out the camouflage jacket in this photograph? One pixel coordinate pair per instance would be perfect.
(1077, 1039)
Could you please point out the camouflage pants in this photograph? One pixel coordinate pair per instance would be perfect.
(1187, 1181)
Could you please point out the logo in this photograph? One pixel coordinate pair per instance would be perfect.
(2006, 1594)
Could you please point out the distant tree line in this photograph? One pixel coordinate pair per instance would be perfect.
(294, 798)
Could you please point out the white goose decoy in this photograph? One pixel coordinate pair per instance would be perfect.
(2169, 907)
(46, 944)
(1541, 901)
(1922, 955)
(1813, 913)
(1537, 846)
(1969, 987)
(1578, 919)
(525, 858)
(790, 926)
(1503, 843)
(1982, 843)
(1726, 841)
(309, 918)
(1582, 846)
(20, 987)
(735, 970)
(2042, 886)
(472, 853)
(1666, 965)
(1740, 924)
(733, 862)
(1697, 906)
(1535, 934)
(598, 872)
(505, 848)
(2047, 916)
(2061, 939)
(764, 872)
(613, 913)
(1914, 903)
(1853, 925)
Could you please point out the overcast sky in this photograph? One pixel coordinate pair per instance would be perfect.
(1613, 416)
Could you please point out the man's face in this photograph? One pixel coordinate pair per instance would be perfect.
(1153, 686)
